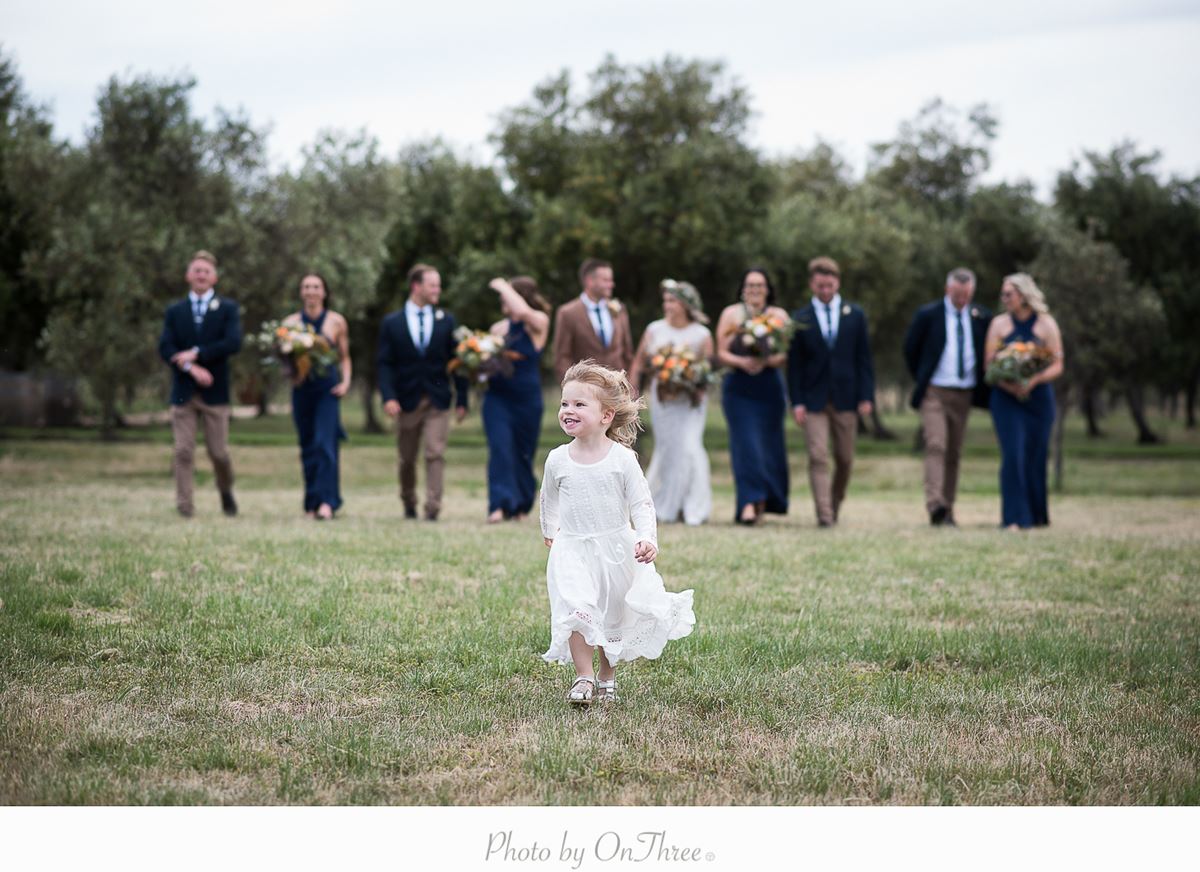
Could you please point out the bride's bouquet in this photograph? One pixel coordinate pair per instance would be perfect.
(763, 336)
(678, 371)
(482, 355)
(297, 349)
(1018, 362)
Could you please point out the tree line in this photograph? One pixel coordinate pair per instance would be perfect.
(646, 166)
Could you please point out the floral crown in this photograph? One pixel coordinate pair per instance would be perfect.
(687, 294)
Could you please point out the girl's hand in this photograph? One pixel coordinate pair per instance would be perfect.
(751, 365)
(645, 552)
(549, 542)
(339, 389)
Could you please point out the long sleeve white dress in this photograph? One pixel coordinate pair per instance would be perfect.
(596, 513)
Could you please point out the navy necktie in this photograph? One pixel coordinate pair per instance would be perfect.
(600, 326)
(829, 337)
(198, 312)
(421, 341)
(962, 364)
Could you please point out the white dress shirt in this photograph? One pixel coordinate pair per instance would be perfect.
(829, 331)
(204, 302)
(946, 374)
(414, 326)
(603, 320)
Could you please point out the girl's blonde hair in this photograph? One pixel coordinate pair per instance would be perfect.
(614, 392)
(1028, 289)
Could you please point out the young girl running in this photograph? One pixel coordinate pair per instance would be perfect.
(604, 590)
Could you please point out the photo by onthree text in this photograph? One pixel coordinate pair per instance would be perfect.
(650, 845)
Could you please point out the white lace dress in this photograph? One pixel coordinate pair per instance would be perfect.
(595, 585)
(679, 473)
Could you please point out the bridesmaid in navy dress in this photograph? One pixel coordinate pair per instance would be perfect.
(512, 407)
(315, 407)
(753, 400)
(1023, 414)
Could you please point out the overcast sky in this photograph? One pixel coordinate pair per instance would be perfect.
(1062, 77)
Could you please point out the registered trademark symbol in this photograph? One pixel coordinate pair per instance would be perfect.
(710, 856)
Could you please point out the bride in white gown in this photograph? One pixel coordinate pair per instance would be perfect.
(679, 472)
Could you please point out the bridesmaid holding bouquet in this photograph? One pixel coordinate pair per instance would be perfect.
(1023, 408)
(315, 400)
(753, 397)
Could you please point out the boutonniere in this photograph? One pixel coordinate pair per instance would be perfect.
(438, 314)
(614, 306)
(846, 310)
(214, 305)
(974, 311)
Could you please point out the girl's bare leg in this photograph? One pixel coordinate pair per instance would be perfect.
(581, 654)
(606, 672)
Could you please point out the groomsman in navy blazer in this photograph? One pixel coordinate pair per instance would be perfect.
(831, 381)
(200, 333)
(416, 345)
(944, 353)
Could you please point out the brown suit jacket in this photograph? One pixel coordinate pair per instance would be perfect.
(576, 340)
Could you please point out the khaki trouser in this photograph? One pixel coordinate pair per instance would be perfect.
(818, 426)
(433, 424)
(216, 439)
(944, 414)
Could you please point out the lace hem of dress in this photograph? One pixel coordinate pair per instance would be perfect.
(646, 638)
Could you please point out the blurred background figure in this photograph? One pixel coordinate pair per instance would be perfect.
(316, 401)
(512, 406)
(1023, 411)
(753, 400)
(679, 473)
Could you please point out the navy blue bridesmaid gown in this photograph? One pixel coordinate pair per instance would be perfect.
(754, 407)
(1023, 429)
(317, 414)
(512, 420)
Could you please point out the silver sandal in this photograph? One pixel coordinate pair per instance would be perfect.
(582, 690)
(606, 691)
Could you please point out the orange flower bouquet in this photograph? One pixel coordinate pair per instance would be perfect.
(762, 336)
(678, 371)
(1018, 362)
(482, 355)
(297, 349)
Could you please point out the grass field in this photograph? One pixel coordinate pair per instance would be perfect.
(269, 659)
